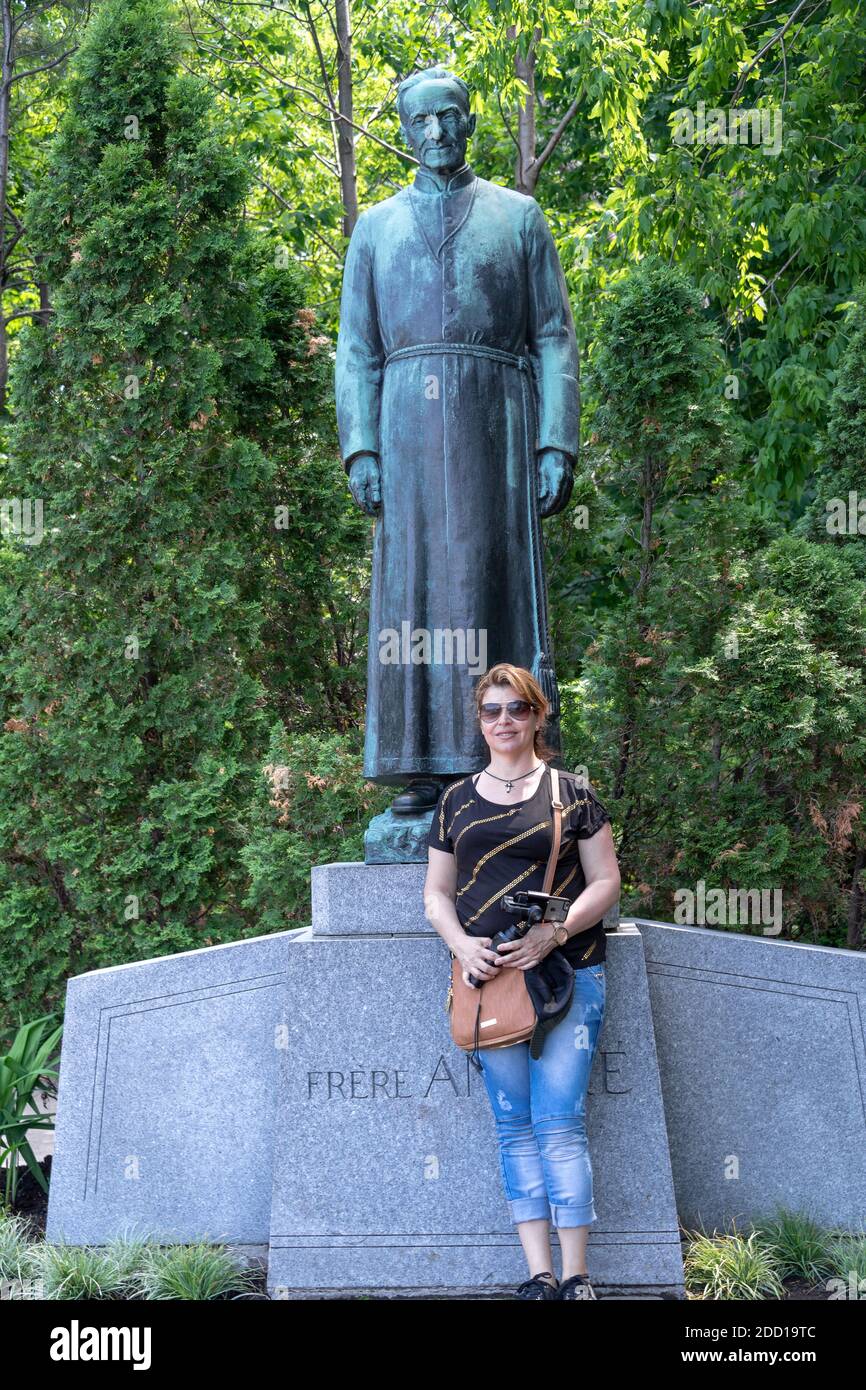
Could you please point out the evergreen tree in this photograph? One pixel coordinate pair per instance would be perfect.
(662, 433)
(311, 657)
(722, 707)
(135, 741)
(837, 510)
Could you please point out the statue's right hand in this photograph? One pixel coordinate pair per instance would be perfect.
(365, 483)
(477, 959)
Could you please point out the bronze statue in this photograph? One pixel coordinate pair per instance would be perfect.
(458, 410)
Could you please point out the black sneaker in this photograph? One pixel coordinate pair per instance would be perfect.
(537, 1287)
(578, 1286)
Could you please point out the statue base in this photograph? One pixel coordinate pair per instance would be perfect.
(391, 839)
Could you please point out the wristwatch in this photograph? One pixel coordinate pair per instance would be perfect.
(560, 940)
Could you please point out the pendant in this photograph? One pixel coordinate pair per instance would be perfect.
(508, 786)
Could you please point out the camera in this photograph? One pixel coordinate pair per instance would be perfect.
(538, 907)
(530, 908)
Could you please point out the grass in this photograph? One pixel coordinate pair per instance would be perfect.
(197, 1272)
(753, 1264)
(800, 1246)
(730, 1266)
(16, 1247)
(750, 1264)
(128, 1267)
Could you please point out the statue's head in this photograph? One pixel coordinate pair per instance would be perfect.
(435, 119)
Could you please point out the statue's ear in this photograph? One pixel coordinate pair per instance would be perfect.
(471, 124)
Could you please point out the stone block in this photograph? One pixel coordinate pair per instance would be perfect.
(763, 1069)
(166, 1096)
(386, 1171)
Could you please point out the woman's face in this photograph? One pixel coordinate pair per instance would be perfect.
(507, 734)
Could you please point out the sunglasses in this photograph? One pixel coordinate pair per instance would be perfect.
(518, 709)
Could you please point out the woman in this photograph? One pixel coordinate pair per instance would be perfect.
(491, 834)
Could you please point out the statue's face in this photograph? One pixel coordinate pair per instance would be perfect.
(436, 124)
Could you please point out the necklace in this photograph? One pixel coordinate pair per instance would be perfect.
(509, 781)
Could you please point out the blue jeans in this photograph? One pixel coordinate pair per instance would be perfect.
(539, 1105)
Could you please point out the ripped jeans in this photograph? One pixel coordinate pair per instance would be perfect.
(539, 1106)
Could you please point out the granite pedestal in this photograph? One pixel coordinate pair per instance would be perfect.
(386, 1170)
(166, 1097)
(305, 1085)
(763, 1067)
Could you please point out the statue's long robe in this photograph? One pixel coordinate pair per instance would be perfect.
(456, 363)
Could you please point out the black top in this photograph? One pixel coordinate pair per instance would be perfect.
(504, 849)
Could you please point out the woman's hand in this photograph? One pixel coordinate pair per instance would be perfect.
(529, 951)
(477, 960)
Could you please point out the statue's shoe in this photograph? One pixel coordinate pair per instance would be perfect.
(421, 795)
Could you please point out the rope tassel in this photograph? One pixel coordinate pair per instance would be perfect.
(546, 677)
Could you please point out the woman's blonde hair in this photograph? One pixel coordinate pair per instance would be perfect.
(527, 687)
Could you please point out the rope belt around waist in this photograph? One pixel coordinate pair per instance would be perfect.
(465, 349)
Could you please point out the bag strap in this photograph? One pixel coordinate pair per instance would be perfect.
(557, 808)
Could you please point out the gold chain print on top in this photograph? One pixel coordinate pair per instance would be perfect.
(559, 888)
(449, 790)
(502, 891)
(458, 812)
(484, 820)
(498, 849)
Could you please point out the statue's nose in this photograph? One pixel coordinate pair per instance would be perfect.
(433, 129)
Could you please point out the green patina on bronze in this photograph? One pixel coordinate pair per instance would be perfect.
(457, 397)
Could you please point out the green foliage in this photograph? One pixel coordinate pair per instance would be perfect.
(730, 1266)
(25, 1068)
(134, 724)
(722, 703)
(137, 1268)
(801, 1247)
(740, 765)
(765, 217)
(312, 807)
(311, 655)
(848, 1253)
(787, 1244)
(128, 1267)
(657, 375)
(16, 1246)
(841, 450)
(63, 1272)
(195, 1271)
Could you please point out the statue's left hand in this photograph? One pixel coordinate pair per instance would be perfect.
(555, 481)
(365, 483)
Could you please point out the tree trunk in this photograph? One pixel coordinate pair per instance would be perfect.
(855, 903)
(717, 761)
(345, 133)
(45, 311)
(525, 174)
(651, 483)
